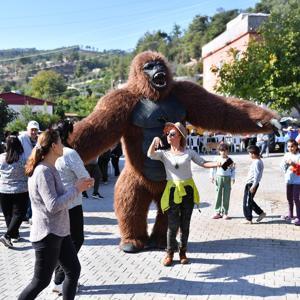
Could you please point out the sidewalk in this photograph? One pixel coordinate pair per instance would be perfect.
(229, 260)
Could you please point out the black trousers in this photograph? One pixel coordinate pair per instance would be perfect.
(179, 217)
(77, 237)
(249, 204)
(94, 172)
(103, 162)
(115, 163)
(14, 207)
(48, 252)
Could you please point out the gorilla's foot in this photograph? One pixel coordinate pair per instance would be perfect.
(132, 246)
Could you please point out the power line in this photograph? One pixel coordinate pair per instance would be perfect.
(159, 13)
(132, 25)
(38, 54)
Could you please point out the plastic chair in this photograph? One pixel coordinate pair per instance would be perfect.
(194, 143)
(237, 143)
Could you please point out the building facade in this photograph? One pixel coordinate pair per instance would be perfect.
(17, 101)
(239, 32)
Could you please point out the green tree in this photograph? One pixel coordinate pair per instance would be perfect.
(81, 105)
(6, 88)
(74, 55)
(25, 60)
(6, 115)
(79, 70)
(269, 6)
(26, 114)
(218, 22)
(156, 41)
(269, 71)
(193, 38)
(47, 85)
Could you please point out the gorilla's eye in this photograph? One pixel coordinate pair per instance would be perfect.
(149, 65)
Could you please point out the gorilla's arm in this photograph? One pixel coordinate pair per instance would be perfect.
(104, 126)
(213, 112)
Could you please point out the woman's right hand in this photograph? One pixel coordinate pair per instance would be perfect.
(157, 142)
(84, 184)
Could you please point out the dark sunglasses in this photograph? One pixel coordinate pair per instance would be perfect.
(171, 134)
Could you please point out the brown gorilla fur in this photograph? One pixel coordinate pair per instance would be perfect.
(111, 120)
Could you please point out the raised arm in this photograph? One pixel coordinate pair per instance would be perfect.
(154, 145)
(104, 126)
(218, 113)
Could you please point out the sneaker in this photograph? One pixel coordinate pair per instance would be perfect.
(297, 222)
(217, 216)
(26, 220)
(261, 216)
(97, 196)
(294, 221)
(6, 241)
(247, 222)
(84, 194)
(226, 217)
(16, 239)
(57, 288)
(287, 218)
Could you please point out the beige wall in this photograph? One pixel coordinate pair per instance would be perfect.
(221, 55)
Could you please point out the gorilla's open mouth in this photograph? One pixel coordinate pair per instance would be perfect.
(159, 79)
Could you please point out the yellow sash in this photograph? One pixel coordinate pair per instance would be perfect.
(178, 193)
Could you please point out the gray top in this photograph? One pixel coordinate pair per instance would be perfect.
(12, 176)
(255, 172)
(219, 171)
(178, 166)
(49, 202)
(71, 168)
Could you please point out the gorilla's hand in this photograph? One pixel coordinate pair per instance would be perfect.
(274, 124)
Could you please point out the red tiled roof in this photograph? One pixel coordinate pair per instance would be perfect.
(18, 99)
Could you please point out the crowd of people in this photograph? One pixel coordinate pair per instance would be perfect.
(42, 169)
(181, 193)
(265, 142)
(42, 179)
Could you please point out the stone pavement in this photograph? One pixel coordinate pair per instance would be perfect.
(229, 260)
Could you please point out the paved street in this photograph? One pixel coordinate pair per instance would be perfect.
(229, 260)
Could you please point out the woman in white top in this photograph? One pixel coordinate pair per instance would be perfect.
(70, 168)
(180, 193)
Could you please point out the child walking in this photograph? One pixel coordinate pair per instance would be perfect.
(253, 178)
(223, 176)
(291, 167)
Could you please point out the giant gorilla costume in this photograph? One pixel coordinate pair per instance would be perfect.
(137, 113)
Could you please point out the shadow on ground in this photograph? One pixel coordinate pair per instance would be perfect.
(228, 277)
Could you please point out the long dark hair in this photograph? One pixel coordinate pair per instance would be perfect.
(42, 148)
(64, 127)
(14, 149)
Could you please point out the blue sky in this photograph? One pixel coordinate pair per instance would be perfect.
(110, 24)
